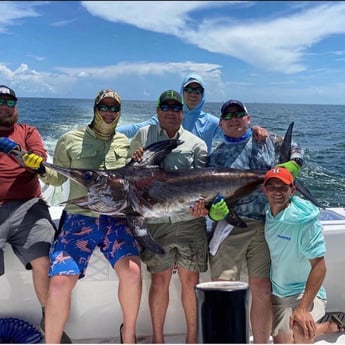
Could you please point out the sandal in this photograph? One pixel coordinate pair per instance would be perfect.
(340, 324)
(121, 340)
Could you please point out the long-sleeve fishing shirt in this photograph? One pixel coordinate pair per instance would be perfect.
(191, 154)
(250, 154)
(16, 181)
(82, 149)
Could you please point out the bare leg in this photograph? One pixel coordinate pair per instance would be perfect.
(261, 309)
(58, 306)
(283, 338)
(297, 336)
(327, 327)
(321, 328)
(129, 293)
(188, 281)
(158, 302)
(40, 269)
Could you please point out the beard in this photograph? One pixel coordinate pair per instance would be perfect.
(8, 121)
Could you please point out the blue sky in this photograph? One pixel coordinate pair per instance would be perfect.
(275, 52)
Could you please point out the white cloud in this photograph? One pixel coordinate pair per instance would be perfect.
(11, 11)
(166, 16)
(273, 44)
(63, 23)
(282, 42)
(142, 69)
(36, 58)
(66, 77)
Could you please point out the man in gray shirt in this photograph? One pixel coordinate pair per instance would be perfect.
(183, 237)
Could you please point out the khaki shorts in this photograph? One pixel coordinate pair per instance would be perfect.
(283, 307)
(185, 244)
(242, 246)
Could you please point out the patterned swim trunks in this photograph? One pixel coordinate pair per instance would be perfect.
(79, 236)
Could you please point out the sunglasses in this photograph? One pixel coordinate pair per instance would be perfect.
(280, 189)
(112, 108)
(174, 107)
(231, 115)
(198, 90)
(9, 102)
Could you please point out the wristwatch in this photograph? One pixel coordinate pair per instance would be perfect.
(299, 161)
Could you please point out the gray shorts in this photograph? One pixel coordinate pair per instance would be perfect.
(28, 228)
(283, 307)
(185, 244)
(242, 246)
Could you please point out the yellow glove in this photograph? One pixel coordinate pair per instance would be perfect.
(33, 161)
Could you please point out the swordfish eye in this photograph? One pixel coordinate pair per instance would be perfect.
(88, 176)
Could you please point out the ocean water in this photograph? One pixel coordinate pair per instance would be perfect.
(317, 128)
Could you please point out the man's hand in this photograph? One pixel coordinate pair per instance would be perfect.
(259, 133)
(138, 154)
(303, 319)
(199, 209)
(292, 166)
(219, 209)
(7, 145)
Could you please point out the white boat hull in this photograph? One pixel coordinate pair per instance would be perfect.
(96, 314)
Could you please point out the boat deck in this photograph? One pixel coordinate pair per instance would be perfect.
(336, 338)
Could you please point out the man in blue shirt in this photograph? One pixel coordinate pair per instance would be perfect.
(203, 125)
(242, 247)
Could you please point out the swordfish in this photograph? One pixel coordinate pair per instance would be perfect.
(142, 190)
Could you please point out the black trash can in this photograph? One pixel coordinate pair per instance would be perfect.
(222, 312)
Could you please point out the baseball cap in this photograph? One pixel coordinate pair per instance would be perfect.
(107, 93)
(170, 95)
(5, 90)
(280, 173)
(190, 81)
(233, 102)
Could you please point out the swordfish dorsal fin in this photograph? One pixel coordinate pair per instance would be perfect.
(285, 148)
(156, 152)
(285, 151)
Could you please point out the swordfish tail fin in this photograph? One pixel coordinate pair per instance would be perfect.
(307, 194)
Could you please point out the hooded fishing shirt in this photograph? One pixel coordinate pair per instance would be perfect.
(16, 181)
(294, 236)
(82, 149)
(203, 125)
(249, 153)
(189, 155)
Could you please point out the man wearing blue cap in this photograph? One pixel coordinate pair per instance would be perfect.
(242, 247)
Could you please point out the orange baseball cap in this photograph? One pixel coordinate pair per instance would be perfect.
(280, 173)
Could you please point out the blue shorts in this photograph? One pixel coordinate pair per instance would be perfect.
(79, 236)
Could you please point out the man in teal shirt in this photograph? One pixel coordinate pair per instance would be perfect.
(297, 249)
